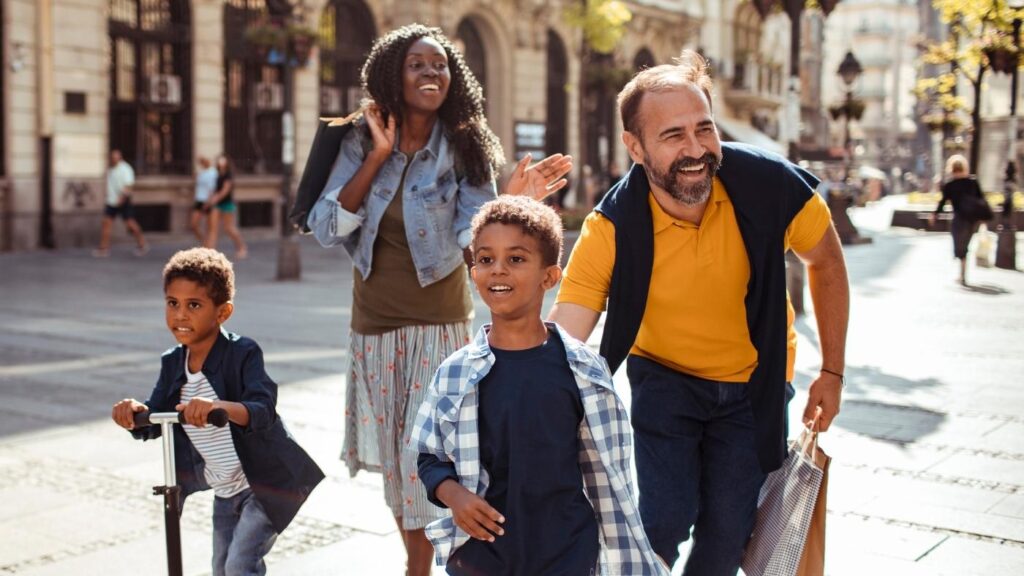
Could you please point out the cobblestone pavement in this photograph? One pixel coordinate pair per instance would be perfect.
(928, 453)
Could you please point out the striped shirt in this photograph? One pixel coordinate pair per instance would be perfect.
(223, 470)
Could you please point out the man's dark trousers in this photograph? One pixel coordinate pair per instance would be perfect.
(697, 465)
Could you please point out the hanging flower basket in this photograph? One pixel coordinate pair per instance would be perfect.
(1001, 59)
(302, 41)
(264, 36)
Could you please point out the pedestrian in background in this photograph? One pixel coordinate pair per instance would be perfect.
(959, 191)
(408, 178)
(224, 208)
(120, 180)
(206, 183)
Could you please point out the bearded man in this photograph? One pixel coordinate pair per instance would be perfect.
(687, 253)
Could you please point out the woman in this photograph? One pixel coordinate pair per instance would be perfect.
(956, 191)
(223, 210)
(406, 183)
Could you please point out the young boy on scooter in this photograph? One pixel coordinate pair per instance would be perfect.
(259, 474)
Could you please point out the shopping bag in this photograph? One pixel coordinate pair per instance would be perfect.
(986, 245)
(787, 509)
(322, 154)
(812, 561)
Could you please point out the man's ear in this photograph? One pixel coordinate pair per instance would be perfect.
(634, 146)
(552, 275)
(224, 312)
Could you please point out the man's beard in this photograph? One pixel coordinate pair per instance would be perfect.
(687, 194)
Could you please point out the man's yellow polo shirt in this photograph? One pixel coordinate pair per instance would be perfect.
(695, 320)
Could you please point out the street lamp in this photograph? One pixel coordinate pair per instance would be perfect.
(849, 70)
(293, 54)
(1006, 251)
(851, 109)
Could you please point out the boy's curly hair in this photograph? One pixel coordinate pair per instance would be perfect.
(461, 114)
(208, 268)
(536, 219)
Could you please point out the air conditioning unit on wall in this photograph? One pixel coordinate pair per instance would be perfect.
(164, 89)
(269, 96)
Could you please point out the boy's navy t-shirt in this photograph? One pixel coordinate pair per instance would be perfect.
(530, 413)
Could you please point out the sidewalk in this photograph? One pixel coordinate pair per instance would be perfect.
(928, 453)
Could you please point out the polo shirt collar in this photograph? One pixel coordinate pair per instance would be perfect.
(662, 220)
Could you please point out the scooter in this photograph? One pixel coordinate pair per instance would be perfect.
(170, 490)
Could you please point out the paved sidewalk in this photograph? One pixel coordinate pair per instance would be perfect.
(928, 469)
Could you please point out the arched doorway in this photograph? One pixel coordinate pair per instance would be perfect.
(347, 33)
(253, 95)
(150, 117)
(474, 50)
(556, 136)
(643, 59)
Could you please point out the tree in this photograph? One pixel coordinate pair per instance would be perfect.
(980, 40)
(603, 23)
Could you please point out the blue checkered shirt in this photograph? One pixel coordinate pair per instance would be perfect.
(447, 427)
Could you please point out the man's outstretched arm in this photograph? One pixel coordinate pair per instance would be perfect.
(830, 292)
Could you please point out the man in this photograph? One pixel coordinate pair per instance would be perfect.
(206, 185)
(688, 251)
(120, 179)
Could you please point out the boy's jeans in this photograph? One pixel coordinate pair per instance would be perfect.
(242, 536)
(697, 465)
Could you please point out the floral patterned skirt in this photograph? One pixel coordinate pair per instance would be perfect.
(387, 382)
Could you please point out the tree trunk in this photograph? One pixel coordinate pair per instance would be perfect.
(976, 123)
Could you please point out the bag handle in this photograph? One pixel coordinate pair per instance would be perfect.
(809, 438)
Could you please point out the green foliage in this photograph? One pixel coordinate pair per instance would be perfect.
(603, 22)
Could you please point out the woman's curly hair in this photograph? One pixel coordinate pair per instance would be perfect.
(461, 114)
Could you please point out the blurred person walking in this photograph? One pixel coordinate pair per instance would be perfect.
(206, 184)
(224, 208)
(969, 208)
(120, 180)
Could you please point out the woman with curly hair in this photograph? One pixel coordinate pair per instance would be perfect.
(407, 181)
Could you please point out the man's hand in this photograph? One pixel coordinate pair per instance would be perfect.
(540, 180)
(124, 412)
(196, 410)
(826, 391)
(471, 513)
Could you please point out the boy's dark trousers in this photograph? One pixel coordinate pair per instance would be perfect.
(697, 465)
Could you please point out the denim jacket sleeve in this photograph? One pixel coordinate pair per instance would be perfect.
(470, 198)
(330, 223)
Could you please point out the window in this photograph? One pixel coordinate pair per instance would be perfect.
(747, 32)
(346, 36)
(254, 95)
(556, 136)
(150, 84)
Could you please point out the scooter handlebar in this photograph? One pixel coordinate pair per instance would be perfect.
(217, 417)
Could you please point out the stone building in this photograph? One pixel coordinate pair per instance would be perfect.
(168, 80)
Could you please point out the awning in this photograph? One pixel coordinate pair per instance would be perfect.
(742, 131)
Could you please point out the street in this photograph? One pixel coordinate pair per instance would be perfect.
(927, 474)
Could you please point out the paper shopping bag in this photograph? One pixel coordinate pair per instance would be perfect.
(785, 513)
(812, 562)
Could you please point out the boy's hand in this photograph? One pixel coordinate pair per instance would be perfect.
(196, 410)
(471, 512)
(124, 411)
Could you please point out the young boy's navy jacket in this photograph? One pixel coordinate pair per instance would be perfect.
(279, 471)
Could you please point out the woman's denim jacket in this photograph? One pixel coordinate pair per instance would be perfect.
(437, 206)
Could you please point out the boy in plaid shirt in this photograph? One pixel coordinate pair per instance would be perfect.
(521, 434)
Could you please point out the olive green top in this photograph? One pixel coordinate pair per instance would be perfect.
(392, 297)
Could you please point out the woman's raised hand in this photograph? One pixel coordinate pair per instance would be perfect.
(383, 133)
(540, 180)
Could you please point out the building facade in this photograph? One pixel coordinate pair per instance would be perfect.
(166, 81)
(883, 36)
